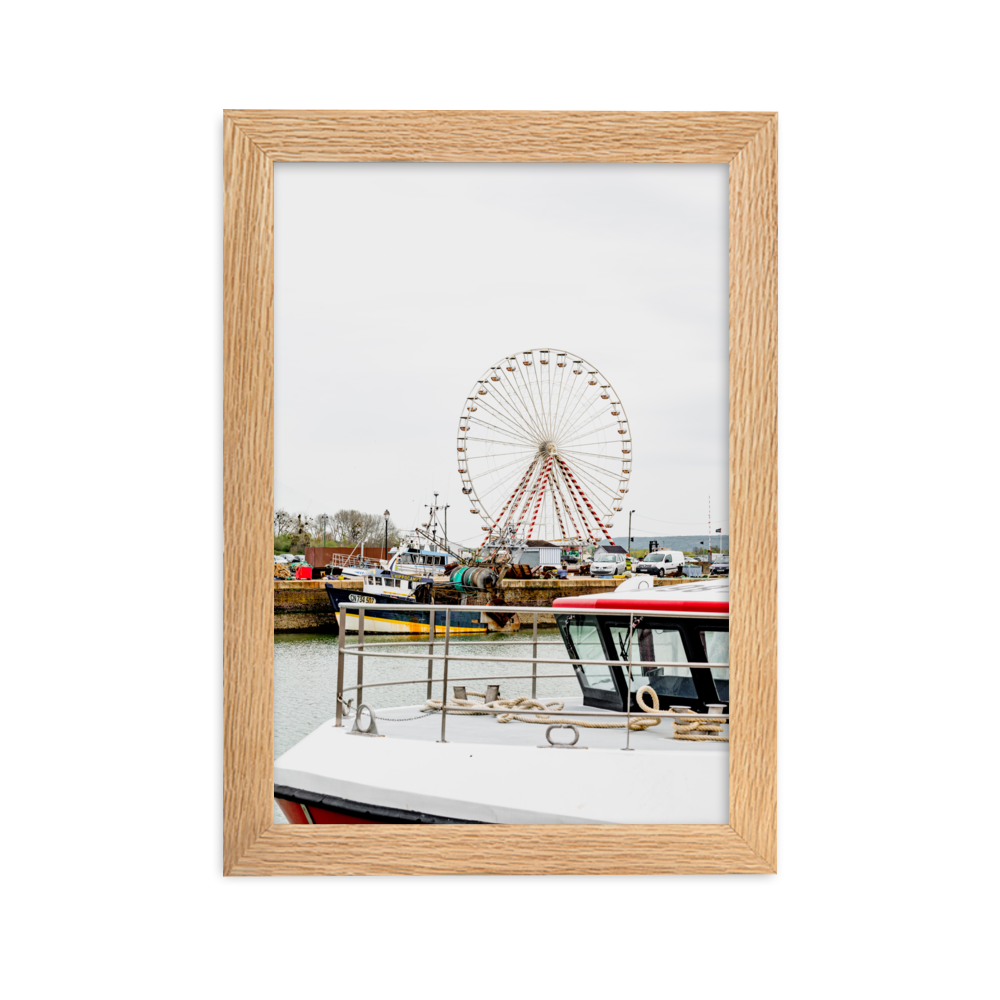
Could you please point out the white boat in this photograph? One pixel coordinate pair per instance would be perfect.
(652, 663)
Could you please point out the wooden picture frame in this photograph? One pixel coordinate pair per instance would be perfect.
(253, 142)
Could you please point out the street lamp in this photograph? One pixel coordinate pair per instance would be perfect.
(385, 514)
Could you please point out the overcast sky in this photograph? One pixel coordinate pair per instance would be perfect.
(398, 284)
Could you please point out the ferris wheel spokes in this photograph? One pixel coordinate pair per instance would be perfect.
(576, 485)
(538, 449)
(512, 431)
(583, 467)
(605, 498)
(508, 428)
(542, 423)
(590, 409)
(512, 417)
(579, 502)
(496, 490)
(569, 511)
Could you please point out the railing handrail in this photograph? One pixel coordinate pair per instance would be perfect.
(572, 713)
(508, 609)
(360, 649)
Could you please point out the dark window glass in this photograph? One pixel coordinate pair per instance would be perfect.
(656, 644)
(586, 641)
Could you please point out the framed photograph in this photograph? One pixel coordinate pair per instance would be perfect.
(253, 140)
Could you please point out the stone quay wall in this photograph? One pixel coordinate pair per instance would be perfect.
(302, 605)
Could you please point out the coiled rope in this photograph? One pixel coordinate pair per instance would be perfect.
(465, 706)
(684, 728)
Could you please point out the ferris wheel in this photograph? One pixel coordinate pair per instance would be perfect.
(544, 449)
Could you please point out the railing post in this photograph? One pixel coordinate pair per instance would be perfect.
(341, 638)
(628, 686)
(534, 653)
(361, 658)
(430, 649)
(444, 694)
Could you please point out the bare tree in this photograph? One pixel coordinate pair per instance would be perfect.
(342, 525)
(301, 535)
(352, 527)
(321, 528)
(284, 523)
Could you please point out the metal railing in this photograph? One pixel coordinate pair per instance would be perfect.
(343, 650)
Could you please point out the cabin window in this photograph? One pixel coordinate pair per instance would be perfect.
(716, 646)
(586, 640)
(406, 558)
(663, 644)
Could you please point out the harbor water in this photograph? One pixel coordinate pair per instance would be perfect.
(305, 675)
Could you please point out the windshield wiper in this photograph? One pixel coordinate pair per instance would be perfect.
(622, 651)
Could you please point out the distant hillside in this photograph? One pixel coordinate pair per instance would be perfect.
(685, 543)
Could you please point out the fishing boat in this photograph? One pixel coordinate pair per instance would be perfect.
(390, 602)
(645, 741)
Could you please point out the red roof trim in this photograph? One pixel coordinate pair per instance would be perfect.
(597, 601)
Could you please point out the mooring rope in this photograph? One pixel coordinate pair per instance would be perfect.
(708, 730)
(465, 706)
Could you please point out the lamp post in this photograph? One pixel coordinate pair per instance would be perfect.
(630, 513)
(385, 514)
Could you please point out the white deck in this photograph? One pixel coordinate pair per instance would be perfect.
(497, 773)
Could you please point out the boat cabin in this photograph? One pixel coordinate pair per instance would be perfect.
(420, 562)
(379, 581)
(667, 626)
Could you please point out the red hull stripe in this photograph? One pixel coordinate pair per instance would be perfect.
(333, 809)
(294, 814)
(593, 601)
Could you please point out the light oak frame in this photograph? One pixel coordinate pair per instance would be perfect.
(253, 142)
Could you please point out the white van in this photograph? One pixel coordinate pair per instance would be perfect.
(664, 562)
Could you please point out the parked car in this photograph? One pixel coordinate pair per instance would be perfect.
(664, 562)
(607, 564)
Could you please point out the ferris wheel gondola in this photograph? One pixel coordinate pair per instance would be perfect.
(544, 448)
